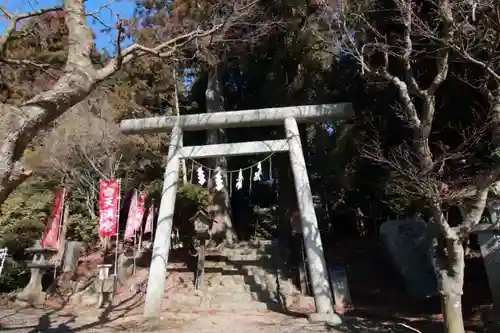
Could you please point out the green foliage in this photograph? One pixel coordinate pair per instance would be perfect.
(13, 277)
(190, 198)
(30, 201)
(23, 216)
(266, 224)
(21, 224)
(82, 228)
(19, 235)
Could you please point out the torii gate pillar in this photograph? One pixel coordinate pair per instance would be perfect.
(159, 258)
(310, 231)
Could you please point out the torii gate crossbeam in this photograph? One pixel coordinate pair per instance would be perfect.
(288, 116)
(232, 119)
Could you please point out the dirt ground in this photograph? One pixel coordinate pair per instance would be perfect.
(380, 306)
(66, 320)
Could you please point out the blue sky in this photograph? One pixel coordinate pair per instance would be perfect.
(124, 8)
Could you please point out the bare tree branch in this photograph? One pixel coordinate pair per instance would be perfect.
(25, 62)
(13, 20)
(105, 6)
(164, 50)
(425, 180)
(79, 78)
(407, 12)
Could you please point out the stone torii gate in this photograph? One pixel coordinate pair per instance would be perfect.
(288, 116)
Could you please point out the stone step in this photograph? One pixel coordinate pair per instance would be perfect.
(228, 297)
(218, 299)
(256, 277)
(231, 268)
(258, 292)
(239, 257)
(229, 252)
(268, 283)
(255, 243)
(300, 302)
(239, 263)
(235, 288)
(242, 306)
(237, 277)
(229, 280)
(183, 299)
(262, 284)
(250, 256)
(241, 298)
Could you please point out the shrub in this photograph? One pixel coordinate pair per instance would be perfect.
(191, 197)
(82, 228)
(13, 277)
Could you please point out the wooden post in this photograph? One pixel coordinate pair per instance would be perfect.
(105, 242)
(303, 274)
(159, 260)
(312, 238)
(200, 267)
(139, 246)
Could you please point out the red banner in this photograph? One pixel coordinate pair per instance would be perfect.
(149, 222)
(51, 232)
(109, 194)
(135, 215)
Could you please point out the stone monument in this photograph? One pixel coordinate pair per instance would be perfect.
(489, 242)
(408, 248)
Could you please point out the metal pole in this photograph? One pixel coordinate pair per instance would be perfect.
(159, 261)
(61, 218)
(152, 223)
(137, 193)
(134, 254)
(61, 221)
(117, 230)
(312, 238)
(139, 246)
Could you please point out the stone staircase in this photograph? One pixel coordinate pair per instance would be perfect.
(246, 276)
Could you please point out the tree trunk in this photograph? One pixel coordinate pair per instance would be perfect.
(220, 200)
(448, 259)
(451, 287)
(20, 124)
(23, 123)
(451, 283)
(450, 278)
(452, 313)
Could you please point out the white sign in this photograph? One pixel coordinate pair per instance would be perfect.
(3, 255)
